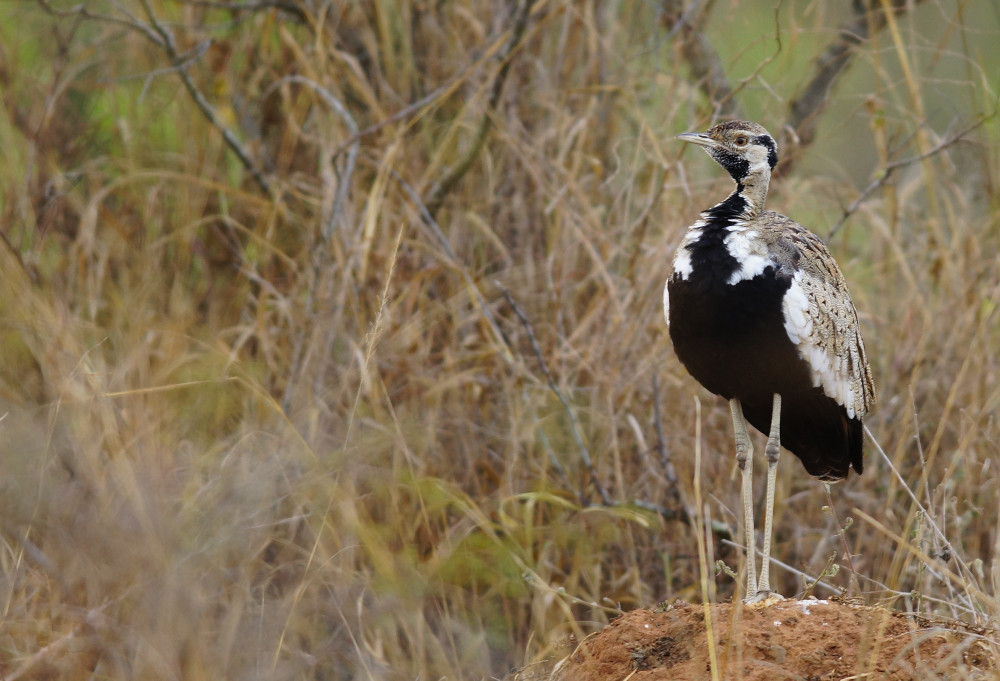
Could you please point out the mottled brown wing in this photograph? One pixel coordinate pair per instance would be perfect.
(821, 320)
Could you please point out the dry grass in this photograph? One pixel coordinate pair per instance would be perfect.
(303, 434)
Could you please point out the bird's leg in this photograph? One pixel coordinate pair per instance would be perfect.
(744, 459)
(773, 451)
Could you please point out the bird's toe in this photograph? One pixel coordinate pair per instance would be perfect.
(763, 599)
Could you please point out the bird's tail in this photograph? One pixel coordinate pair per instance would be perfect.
(816, 429)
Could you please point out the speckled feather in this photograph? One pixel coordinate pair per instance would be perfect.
(829, 321)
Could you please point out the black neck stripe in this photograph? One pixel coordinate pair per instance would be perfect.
(772, 149)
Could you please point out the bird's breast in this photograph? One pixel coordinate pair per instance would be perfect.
(728, 328)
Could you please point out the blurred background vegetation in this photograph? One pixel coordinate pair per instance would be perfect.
(332, 341)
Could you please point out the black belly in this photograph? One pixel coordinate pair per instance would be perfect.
(732, 339)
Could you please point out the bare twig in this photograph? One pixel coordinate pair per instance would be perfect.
(352, 151)
(681, 513)
(574, 425)
(321, 255)
(82, 12)
(768, 59)
(416, 107)
(187, 59)
(170, 47)
(461, 167)
(292, 8)
(557, 465)
(963, 568)
(661, 442)
(883, 175)
(807, 105)
(435, 228)
(707, 69)
(815, 581)
(842, 533)
(476, 60)
(161, 36)
(38, 557)
(55, 649)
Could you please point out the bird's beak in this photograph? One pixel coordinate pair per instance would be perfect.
(700, 138)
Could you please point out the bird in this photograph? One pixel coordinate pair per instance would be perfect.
(759, 313)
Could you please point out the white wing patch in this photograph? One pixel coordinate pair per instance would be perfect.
(750, 252)
(682, 263)
(666, 302)
(822, 323)
(682, 260)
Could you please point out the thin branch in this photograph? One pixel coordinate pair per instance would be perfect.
(254, 6)
(681, 514)
(883, 175)
(558, 467)
(159, 34)
(321, 256)
(186, 60)
(767, 60)
(661, 441)
(82, 12)
(476, 60)
(170, 47)
(814, 581)
(707, 68)
(409, 110)
(574, 425)
(352, 152)
(458, 171)
(436, 230)
(963, 567)
(805, 108)
(415, 107)
(227, 134)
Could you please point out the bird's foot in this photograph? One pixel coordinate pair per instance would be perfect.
(763, 599)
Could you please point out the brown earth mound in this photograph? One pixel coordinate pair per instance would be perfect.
(814, 640)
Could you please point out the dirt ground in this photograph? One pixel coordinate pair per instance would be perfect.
(806, 640)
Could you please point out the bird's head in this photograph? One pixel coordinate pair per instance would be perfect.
(741, 147)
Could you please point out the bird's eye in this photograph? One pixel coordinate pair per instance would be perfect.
(741, 141)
